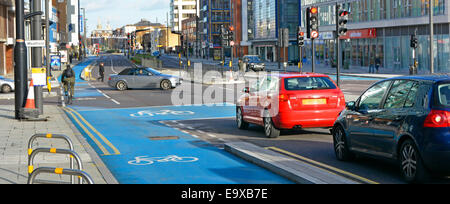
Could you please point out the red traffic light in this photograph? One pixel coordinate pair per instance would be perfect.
(344, 13)
(301, 33)
(314, 10)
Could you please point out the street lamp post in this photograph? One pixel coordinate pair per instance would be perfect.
(431, 36)
(20, 59)
(79, 31)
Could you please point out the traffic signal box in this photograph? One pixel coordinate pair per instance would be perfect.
(414, 42)
(300, 38)
(312, 22)
(341, 21)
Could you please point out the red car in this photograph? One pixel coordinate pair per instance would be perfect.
(286, 101)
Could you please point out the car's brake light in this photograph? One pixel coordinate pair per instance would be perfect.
(437, 119)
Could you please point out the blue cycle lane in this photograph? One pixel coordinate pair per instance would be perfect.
(123, 140)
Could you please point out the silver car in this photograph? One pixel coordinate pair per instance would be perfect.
(143, 78)
(6, 85)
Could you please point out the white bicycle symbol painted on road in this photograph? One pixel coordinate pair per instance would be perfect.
(145, 160)
(149, 113)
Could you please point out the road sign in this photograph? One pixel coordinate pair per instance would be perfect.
(314, 34)
(39, 76)
(35, 43)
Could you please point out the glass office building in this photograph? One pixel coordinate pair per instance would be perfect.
(380, 30)
(268, 17)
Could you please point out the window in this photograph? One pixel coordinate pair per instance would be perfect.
(444, 95)
(126, 72)
(411, 99)
(399, 93)
(371, 99)
(141, 72)
(308, 83)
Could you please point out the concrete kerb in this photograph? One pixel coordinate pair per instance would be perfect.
(294, 170)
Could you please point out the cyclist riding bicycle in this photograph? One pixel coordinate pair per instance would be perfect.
(68, 79)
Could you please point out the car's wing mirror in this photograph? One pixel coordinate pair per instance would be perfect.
(351, 105)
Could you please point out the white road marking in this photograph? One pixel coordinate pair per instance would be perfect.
(108, 97)
(116, 102)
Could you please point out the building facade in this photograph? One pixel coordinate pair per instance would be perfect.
(213, 15)
(380, 30)
(181, 10)
(7, 33)
(189, 32)
(264, 20)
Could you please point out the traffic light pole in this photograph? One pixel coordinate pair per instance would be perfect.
(313, 57)
(338, 48)
(36, 57)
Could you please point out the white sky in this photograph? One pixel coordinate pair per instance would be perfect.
(122, 12)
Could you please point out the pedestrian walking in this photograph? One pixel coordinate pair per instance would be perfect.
(101, 71)
(70, 58)
(377, 64)
(371, 67)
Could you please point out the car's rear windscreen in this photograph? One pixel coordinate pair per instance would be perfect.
(444, 94)
(308, 83)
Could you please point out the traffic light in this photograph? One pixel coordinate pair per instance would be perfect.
(224, 36)
(182, 42)
(341, 21)
(414, 42)
(231, 36)
(312, 22)
(301, 38)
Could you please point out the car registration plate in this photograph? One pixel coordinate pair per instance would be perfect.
(321, 101)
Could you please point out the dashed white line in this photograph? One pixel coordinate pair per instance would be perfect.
(108, 97)
(201, 132)
(116, 102)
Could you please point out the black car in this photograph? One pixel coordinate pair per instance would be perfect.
(406, 120)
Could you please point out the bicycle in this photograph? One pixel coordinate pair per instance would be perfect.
(68, 98)
(145, 160)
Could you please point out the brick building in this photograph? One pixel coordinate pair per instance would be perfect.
(7, 26)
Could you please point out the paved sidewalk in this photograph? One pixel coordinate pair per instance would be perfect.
(14, 136)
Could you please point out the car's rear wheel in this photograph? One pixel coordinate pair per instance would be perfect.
(6, 88)
(341, 148)
(269, 128)
(240, 120)
(412, 167)
(121, 86)
(166, 85)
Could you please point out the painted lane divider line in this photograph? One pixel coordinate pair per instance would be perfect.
(103, 138)
(116, 102)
